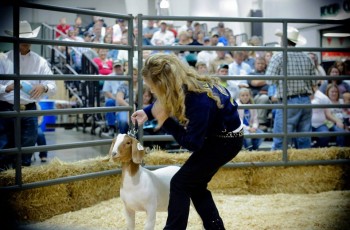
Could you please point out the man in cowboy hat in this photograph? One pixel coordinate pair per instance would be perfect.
(31, 91)
(298, 91)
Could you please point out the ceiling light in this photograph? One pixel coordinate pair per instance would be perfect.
(164, 4)
(338, 35)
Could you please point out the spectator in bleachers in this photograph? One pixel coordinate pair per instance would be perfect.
(200, 37)
(324, 121)
(123, 55)
(231, 41)
(222, 33)
(221, 58)
(206, 56)
(239, 67)
(148, 32)
(105, 66)
(122, 99)
(78, 27)
(250, 121)
(202, 68)
(185, 27)
(112, 53)
(248, 57)
(94, 20)
(118, 29)
(259, 89)
(222, 70)
(214, 39)
(77, 52)
(343, 86)
(163, 36)
(62, 27)
(197, 30)
(99, 30)
(110, 91)
(333, 93)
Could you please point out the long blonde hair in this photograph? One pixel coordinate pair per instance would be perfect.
(172, 79)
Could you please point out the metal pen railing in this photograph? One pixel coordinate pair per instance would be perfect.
(140, 48)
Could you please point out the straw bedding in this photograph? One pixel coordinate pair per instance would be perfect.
(327, 210)
(43, 203)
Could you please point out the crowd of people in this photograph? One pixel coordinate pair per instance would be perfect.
(232, 63)
(114, 62)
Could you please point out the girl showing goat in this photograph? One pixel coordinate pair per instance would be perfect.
(202, 117)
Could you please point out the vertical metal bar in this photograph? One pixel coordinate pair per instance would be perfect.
(285, 110)
(131, 64)
(139, 67)
(16, 103)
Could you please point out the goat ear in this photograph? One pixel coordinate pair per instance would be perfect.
(137, 151)
(110, 155)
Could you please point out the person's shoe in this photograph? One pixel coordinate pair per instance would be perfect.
(43, 159)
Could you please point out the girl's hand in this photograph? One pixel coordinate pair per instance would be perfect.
(140, 116)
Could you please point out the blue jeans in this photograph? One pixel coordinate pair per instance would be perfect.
(298, 120)
(252, 143)
(191, 183)
(121, 118)
(110, 116)
(323, 141)
(123, 121)
(41, 140)
(29, 131)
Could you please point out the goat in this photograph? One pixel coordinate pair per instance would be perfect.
(141, 189)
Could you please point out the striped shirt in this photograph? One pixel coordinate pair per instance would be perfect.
(298, 64)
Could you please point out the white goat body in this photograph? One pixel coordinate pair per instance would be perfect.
(141, 189)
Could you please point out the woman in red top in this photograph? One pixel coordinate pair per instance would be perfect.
(105, 66)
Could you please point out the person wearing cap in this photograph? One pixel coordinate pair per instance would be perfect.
(298, 91)
(110, 91)
(214, 39)
(163, 36)
(31, 91)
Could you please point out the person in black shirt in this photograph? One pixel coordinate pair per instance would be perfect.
(203, 118)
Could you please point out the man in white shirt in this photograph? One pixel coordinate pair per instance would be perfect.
(31, 91)
(163, 36)
(238, 67)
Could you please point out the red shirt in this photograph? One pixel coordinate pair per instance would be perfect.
(104, 69)
(62, 28)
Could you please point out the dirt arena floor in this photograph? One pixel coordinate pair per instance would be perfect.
(327, 210)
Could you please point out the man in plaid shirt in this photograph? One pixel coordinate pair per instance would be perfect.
(298, 91)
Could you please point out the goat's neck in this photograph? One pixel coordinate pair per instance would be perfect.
(130, 167)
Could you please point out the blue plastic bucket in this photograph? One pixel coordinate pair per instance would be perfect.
(48, 120)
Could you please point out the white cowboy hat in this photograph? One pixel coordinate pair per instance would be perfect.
(293, 36)
(25, 30)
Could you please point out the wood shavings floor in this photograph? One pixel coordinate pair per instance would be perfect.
(327, 210)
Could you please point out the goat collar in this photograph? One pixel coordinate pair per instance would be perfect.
(134, 131)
